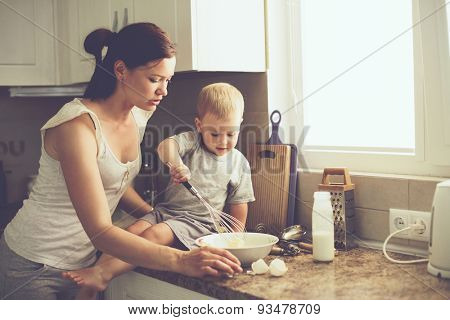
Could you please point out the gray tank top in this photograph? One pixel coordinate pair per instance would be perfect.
(47, 229)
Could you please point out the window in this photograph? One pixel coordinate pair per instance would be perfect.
(373, 83)
(364, 70)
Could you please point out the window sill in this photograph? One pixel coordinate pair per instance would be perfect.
(403, 165)
(382, 175)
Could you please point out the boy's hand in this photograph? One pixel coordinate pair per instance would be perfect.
(180, 173)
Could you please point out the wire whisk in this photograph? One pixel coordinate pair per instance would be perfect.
(223, 222)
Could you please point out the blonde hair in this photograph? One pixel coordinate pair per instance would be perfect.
(221, 99)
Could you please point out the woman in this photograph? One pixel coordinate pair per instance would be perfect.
(90, 154)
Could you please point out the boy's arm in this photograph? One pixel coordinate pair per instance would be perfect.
(168, 151)
(239, 211)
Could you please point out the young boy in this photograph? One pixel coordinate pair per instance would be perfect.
(209, 160)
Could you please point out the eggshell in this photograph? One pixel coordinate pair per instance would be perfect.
(277, 268)
(260, 267)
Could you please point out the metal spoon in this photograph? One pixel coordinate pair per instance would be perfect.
(293, 233)
(290, 241)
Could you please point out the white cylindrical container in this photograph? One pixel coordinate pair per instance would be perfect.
(322, 227)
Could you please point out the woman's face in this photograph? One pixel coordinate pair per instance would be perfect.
(145, 86)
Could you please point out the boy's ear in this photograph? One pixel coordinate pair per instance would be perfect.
(198, 124)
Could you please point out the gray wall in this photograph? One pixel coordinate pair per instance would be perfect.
(374, 196)
(20, 141)
(21, 119)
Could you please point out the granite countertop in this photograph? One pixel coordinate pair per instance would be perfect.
(357, 274)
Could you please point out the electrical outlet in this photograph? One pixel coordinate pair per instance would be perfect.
(400, 219)
(420, 217)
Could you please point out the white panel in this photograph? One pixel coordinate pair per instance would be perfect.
(136, 286)
(436, 79)
(125, 12)
(160, 12)
(17, 37)
(28, 58)
(284, 63)
(174, 17)
(91, 15)
(230, 35)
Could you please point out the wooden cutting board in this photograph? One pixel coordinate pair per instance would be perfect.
(270, 165)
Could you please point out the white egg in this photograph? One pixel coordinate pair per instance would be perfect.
(277, 268)
(260, 267)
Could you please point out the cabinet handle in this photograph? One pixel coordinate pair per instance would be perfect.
(125, 17)
(115, 21)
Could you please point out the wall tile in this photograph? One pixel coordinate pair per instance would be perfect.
(254, 129)
(380, 193)
(420, 196)
(307, 185)
(303, 213)
(373, 198)
(20, 140)
(372, 224)
(183, 91)
(21, 118)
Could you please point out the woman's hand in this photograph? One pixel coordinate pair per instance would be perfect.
(208, 261)
(180, 173)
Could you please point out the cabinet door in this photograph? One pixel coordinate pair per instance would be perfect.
(211, 35)
(174, 17)
(136, 286)
(76, 20)
(27, 54)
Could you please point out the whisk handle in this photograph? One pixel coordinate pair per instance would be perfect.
(191, 189)
(187, 185)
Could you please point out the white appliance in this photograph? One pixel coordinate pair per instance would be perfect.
(439, 246)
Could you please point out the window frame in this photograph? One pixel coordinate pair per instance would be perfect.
(392, 161)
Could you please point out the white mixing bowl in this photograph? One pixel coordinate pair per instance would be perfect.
(246, 246)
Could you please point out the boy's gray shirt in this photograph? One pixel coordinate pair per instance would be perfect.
(219, 179)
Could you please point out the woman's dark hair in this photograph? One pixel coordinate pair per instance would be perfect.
(136, 45)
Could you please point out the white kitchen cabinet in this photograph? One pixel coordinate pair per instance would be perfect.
(136, 286)
(27, 52)
(43, 40)
(211, 35)
(75, 20)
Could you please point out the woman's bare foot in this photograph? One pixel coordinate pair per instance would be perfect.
(90, 278)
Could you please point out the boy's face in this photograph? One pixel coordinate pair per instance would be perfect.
(220, 136)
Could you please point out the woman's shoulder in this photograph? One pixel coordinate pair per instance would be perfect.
(74, 106)
(72, 125)
(83, 122)
(71, 110)
(78, 128)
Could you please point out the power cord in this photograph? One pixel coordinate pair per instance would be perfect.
(416, 226)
